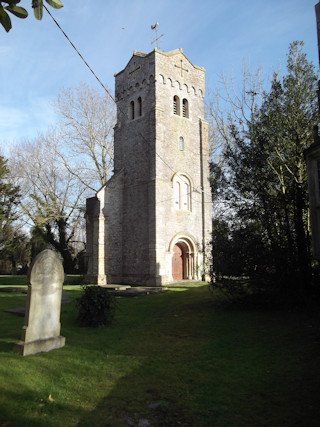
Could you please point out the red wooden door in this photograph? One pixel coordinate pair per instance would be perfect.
(177, 263)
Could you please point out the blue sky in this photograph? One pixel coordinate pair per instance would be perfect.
(37, 61)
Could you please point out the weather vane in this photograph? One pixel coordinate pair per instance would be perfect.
(155, 27)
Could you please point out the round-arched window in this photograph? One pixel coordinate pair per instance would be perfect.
(182, 192)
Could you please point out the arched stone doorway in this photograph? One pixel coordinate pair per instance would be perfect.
(184, 258)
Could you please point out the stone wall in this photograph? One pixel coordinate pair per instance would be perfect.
(134, 154)
(142, 218)
(191, 162)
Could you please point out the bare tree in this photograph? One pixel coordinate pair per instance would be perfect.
(51, 196)
(85, 134)
(58, 170)
(232, 102)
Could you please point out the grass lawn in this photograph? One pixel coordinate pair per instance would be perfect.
(174, 359)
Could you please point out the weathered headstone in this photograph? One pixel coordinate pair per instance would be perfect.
(41, 331)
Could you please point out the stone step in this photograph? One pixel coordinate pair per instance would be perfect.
(116, 287)
(137, 291)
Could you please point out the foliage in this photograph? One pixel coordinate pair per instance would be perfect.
(38, 241)
(37, 6)
(17, 254)
(11, 6)
(238, 250)
(96, 307)
(266, 190)
(21, 12)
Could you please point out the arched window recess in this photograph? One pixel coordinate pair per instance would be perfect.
(185, 108)
(182, 192)
(131, 110)
(139, 105)
(176, 105)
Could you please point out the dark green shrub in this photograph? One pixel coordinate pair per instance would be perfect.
(96, 307)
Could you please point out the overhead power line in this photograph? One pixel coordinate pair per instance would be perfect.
(102, 85)
(100, 82)
(74, 47)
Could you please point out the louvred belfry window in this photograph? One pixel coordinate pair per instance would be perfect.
(185, 108)
(139, 100)
(176, 105)
(132, 110)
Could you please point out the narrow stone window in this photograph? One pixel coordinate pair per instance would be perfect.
(132, 110)
(181, 143)
(176, 105)
(139, 106)
(185, 108)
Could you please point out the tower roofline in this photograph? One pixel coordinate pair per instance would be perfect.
(170, 53)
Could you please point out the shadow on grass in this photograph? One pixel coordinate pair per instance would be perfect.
(193, 364)
(203, 367)
(150, 406)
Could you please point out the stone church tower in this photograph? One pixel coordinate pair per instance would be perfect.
(150, 224)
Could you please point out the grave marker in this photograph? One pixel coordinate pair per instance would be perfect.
(41, 331)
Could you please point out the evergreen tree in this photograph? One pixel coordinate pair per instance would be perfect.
(267, 174)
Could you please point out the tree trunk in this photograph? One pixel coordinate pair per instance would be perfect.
(303, 255)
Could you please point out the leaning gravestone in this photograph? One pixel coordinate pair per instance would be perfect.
(41, 330)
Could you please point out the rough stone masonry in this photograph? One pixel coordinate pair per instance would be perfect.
(150, 224)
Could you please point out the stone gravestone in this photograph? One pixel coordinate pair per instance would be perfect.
(41, 330)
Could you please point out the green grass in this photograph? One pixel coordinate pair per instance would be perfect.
(203, 366)
(21, 280)
(7, 280)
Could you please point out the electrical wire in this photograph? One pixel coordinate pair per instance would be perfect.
(108, 92)
(82, 58)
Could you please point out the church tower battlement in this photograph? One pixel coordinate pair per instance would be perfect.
(151, 222)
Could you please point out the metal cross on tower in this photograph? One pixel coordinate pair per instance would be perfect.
(155, 27)
(181, 68)
(132, 72)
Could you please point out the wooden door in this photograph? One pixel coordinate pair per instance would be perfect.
(177, 263)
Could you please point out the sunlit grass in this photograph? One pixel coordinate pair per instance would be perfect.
(201, 365)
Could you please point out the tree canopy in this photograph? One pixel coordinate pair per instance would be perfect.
(266, 181)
